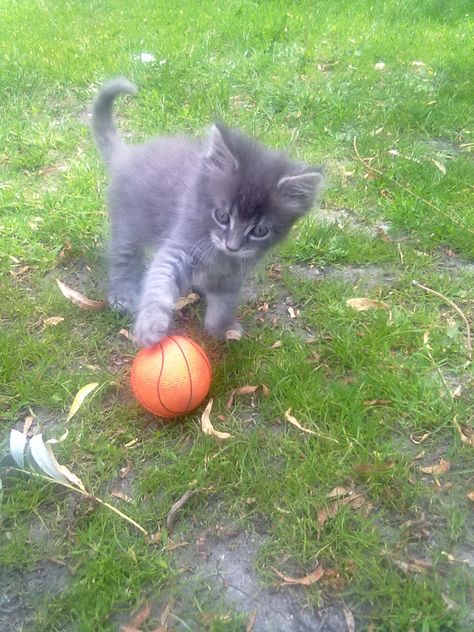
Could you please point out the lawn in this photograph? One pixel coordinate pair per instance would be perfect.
(375, 502)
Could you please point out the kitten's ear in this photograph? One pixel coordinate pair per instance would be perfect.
(299, 191)
(218, 156)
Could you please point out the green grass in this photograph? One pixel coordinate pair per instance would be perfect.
(300, 76)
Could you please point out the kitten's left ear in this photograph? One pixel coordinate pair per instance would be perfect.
(300, 191)
(219, 157)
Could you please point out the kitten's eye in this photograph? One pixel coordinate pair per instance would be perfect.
(260, 231)
(221, 217)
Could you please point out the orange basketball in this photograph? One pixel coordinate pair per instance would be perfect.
(171, 378)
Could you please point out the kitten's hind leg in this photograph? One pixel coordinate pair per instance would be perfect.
(220, 314)
(125, 273)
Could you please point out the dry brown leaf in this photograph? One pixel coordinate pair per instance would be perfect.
(471, 495)
(457, 392)
(417, 439)
(126, 334)
(79, 299)
(356, 501)
(466, 434)
(233, 334)
(307, 580)
(184, 301)
(364, 304)
(338, 492)
(413, 566)
(289, 417)
(277, 344)
(251, 620)
(138, 620)
(177, 506)
(27, 424)
(121, 495)
(248, 389)
(350, 621)
(371, 468)
(19, 270)
(377, 402)
(124, 471)
(436, 470)
(166, 612)
(208, 428)
(53, 321)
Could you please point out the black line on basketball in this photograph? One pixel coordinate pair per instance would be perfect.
(173, 412)
(203, 355)
(189, 373)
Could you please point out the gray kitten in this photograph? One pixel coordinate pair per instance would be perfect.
(208, 210)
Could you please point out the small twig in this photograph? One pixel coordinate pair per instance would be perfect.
(454, 306)
(177, 506)
(84, 493)
(453, 218)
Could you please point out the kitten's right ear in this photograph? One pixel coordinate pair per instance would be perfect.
(218, 157)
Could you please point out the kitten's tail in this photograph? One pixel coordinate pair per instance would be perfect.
(105, 132)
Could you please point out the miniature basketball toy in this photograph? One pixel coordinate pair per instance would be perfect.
(171, 378)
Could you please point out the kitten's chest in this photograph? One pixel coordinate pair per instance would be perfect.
(220, 275)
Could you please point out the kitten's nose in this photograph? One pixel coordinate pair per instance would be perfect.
(232, 246)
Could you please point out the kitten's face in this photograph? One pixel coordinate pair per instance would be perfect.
(253, 195)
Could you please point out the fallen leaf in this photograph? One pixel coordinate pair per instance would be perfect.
(364, 304)
(53, 321)
(19, 270)
(289, 417)
(471, 495)
(370, 468)
(124, 471)
(277, 344)
(138, 620)
(208, 428)
(377, 402)
(126, 334)
(338, 492)
(251, 620)
(17, 446)
(439, 165)
(413, 566)
(177, 506)
(356, 501)
(311, 340)
(27, 424)
(80, 397)
(184, 301)
(350, 621)
(291, 312)
(248, 389)
(457, 392)
(466, 434)
(417, 439)
(121, 496)
(166, 612)
(44, 458)
(307, 580)
(233, 334)
(435, 470)
(275, 271)
(79, 299)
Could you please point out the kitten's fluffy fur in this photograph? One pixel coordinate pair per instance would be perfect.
(208, 209)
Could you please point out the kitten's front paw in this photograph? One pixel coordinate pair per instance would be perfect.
(150, 327)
